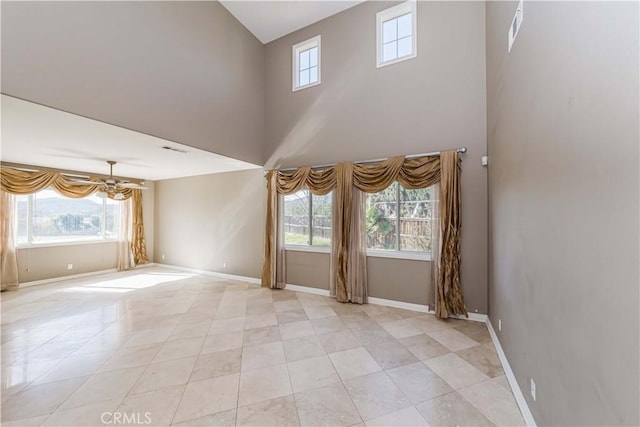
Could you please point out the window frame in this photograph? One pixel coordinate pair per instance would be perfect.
(310, 247)
(409, 6)
(29, 220)
(295, 51)
(397, 252)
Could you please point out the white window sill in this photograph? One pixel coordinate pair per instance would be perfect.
(301, 248)
(297, 88)
(54, 244)
(396, 61)
(416, 256)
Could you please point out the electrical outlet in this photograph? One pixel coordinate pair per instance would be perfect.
(225, 264)
(69, 266)
(162, 256)
(533, 389)
(499, 325)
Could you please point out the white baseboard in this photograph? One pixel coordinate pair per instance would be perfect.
(212, 273)
(399, 304)
(78, 276)
(308, 290)
(511, 378)
(474, 317)
(69, 277)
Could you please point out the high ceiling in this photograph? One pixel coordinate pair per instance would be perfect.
(269, 20)
(36, 135)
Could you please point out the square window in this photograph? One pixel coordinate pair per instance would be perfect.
(306, 220)
(390, 51)
(390, 30)
(396, 34)
(404, 47)
(306, 64)
(304, 77)
(405, 26)
(304, 60)
(400, 220)
(313, 74)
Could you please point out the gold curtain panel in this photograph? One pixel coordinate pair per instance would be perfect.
(411, 173)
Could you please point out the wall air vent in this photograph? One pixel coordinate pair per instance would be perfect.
(177, 150)
(515, 24)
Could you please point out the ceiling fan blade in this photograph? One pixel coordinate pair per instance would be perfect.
(88, 182)
(131, 185)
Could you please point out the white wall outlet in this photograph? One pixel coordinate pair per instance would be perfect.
(533, 389)
(162, 256)
(225, 264)
(69, 266)
(499, 325)
(485, 160)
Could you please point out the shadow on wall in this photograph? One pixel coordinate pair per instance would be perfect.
(298, 139)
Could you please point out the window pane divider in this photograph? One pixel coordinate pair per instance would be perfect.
(398, 216)
(30, 219)
(310, 218)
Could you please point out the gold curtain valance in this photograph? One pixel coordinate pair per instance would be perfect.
(19, 182)
(413, 173)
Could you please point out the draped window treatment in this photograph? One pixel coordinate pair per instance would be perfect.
(19, 182)
(16, 181)
(8, 260)
(348, 252)
(138, 244)
(125, 255)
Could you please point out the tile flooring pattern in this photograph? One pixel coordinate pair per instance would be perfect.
(184, 349)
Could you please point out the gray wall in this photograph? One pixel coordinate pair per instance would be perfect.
(203, 221)
(48, 262)
(563, 185)
(185, 71)
(392, 279)
(433, 102)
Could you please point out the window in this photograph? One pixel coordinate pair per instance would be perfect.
(306, 64)
(48, 217)
(399, 220)
(396, 33)
(307, 219)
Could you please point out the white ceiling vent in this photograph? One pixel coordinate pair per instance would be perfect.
(515, 25)
(177, 150)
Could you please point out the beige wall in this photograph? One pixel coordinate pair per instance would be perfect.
(563, 185)
(392, 279)
(204, 221)
(433, 102)
(186, 71)
(39, 263)
(48, 262)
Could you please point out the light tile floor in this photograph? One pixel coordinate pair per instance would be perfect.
(172, 348)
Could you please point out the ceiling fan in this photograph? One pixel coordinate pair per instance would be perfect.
(110, 185)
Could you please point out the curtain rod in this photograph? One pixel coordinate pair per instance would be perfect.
(460, 150)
